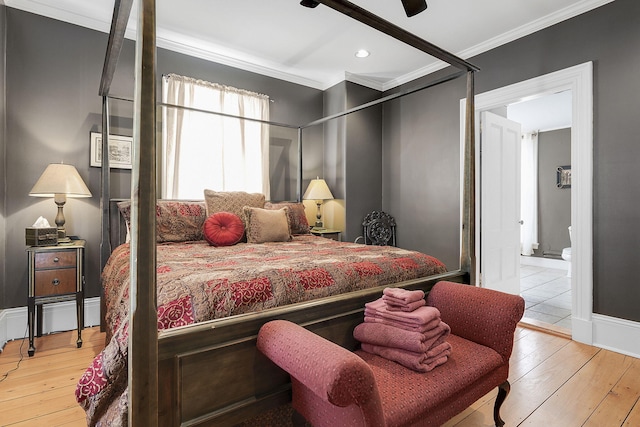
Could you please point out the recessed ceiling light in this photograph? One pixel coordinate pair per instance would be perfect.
(362, 53)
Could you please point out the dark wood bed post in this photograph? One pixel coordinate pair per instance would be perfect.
(468, 251)
(143, 357)
(105, 188)
(143, 319)
(121, 12)
(299, 190)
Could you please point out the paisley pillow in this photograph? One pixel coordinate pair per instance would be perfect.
(176, 220)
(297, 217)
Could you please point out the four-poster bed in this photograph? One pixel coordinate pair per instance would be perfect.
(210, 373)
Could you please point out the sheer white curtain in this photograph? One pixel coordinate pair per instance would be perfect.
(529, 194)
(202, 150)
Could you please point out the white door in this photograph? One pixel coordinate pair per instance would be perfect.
(500, 141)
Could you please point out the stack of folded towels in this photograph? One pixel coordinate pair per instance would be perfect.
(401, 327)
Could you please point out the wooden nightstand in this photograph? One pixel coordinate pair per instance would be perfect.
(327, 233)
(56, 273)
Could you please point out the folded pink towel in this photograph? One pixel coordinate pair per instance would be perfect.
(401, 325)
(390, 336)
(419, 316)
(381, 334)
(391, 306)
(397, 301)
(404, 295)
(417, 361)
(436, 336)
(440, 350)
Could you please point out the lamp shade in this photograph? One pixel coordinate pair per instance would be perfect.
(318, 190)
(59, 178)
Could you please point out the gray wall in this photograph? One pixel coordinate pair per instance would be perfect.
(363, 159)
(609, 36)
(554, 204)
(353, 153)
(421, 170)
(283, 170)
(52, 77)
(335, 135)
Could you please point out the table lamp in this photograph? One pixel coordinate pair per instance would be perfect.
(318, 190)
(60, 181)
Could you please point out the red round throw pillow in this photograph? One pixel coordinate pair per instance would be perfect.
(223, 229)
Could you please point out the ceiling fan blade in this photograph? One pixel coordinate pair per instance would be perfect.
(414, 7)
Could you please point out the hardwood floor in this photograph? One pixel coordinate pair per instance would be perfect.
(41, 391)
(554, 382)
(559, 382)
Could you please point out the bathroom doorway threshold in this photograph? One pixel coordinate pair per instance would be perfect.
(560, 264)
(548, 328)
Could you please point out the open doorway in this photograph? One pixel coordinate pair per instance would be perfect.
(525, 205)
(545, 244)
(578, 80)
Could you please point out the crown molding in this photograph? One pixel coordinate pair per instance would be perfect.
(192, 46)
(197, 48)
(65, 15)
(504, 38)
(364, 81)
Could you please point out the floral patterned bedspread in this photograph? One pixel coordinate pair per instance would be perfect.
(198, 282)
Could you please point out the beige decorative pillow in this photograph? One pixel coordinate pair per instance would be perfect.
(265, 225)
(232, 201)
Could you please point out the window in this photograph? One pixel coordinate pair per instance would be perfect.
(228, 151)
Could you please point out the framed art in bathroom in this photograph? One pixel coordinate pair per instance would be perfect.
(120, 151)
(563, 177)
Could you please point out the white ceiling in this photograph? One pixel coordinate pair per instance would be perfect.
(315, 47)
(550, 112)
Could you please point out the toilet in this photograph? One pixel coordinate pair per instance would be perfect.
(566, 255)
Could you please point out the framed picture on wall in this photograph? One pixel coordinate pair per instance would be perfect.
(563, 177)
(120, 151)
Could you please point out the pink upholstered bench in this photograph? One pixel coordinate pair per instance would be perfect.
(334, 387)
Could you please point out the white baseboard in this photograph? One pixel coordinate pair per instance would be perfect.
(619, 335)
(56, 317)
(535, 261)
(582, 330)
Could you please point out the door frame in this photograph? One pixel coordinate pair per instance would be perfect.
(578, 79)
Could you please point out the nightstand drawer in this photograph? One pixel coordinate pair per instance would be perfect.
(54, 282)
(57, 259)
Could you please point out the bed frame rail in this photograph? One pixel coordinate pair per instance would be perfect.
(212, 373)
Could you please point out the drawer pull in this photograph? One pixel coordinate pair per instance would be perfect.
(55, 282)
(56, 259)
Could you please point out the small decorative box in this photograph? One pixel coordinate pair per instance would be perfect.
(45, 236)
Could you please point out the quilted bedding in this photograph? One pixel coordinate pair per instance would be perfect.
(199, 282)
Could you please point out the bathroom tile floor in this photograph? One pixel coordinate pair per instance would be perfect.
(547, 295)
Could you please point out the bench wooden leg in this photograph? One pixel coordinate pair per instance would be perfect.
(503, 391)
